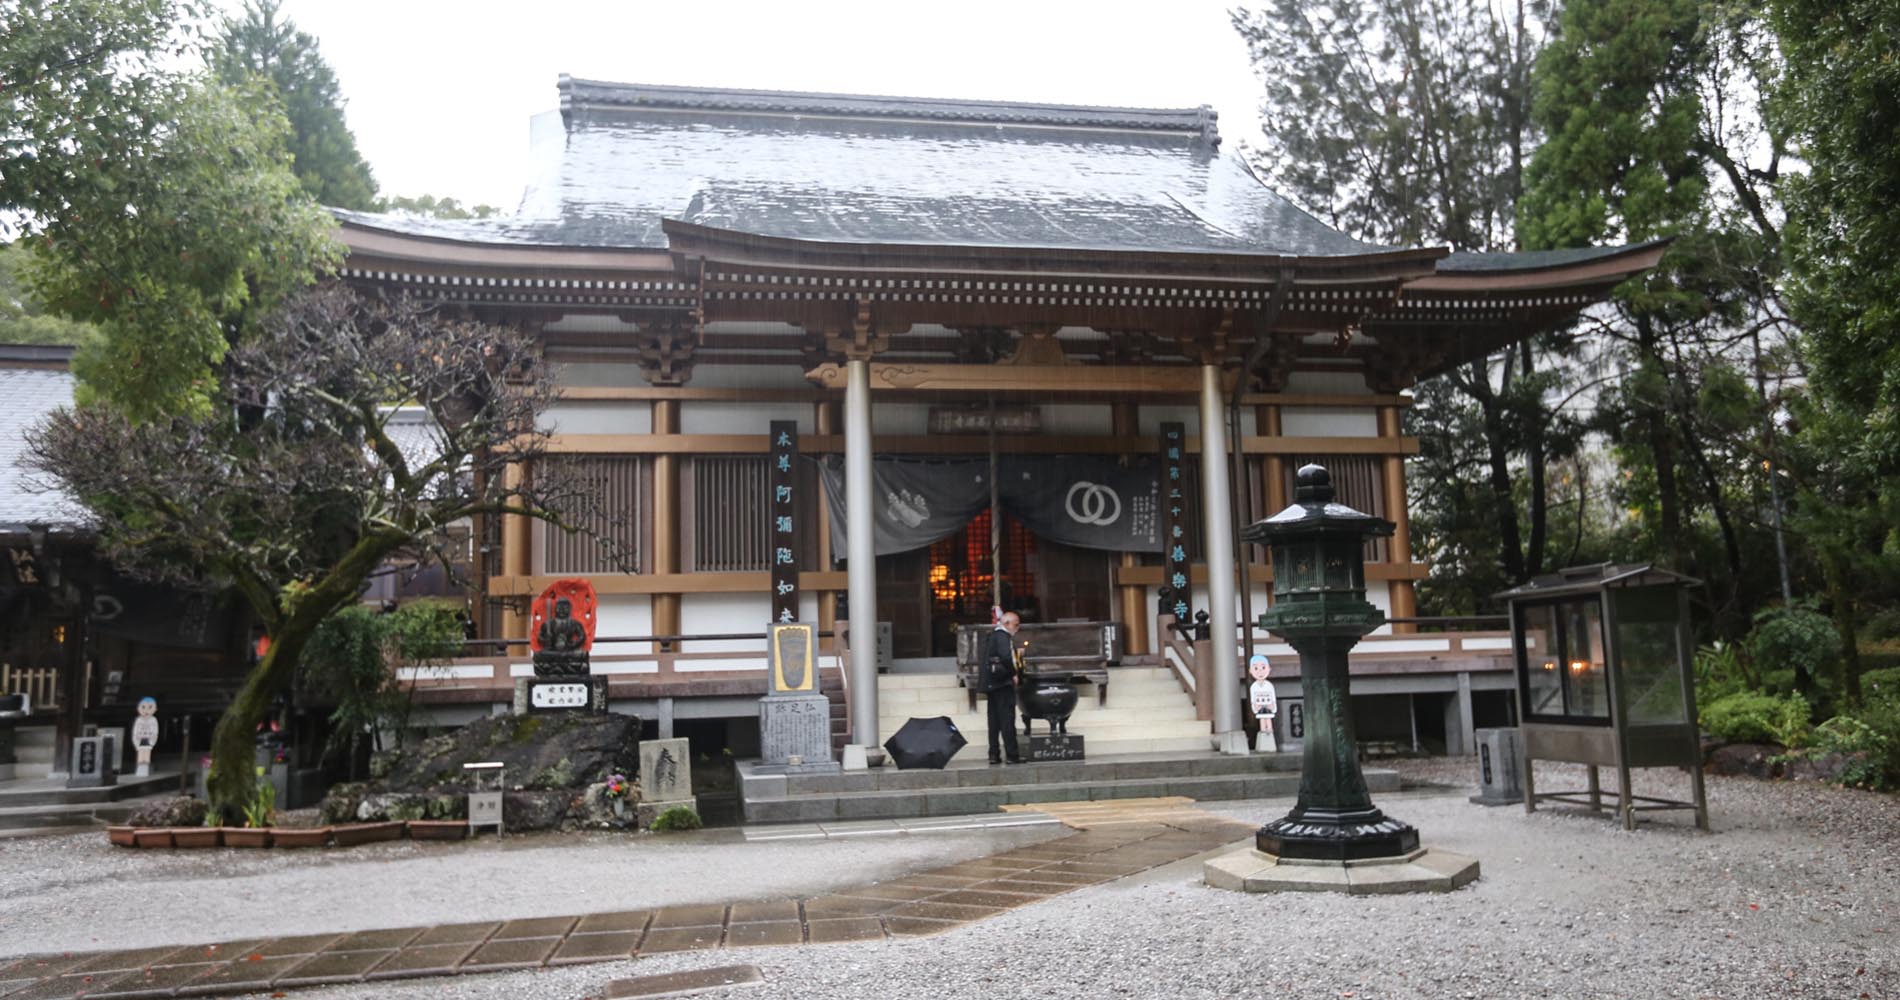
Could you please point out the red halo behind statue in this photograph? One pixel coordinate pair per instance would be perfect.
(579, 594)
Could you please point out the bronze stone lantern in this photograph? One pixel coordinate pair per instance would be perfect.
(1320, 608)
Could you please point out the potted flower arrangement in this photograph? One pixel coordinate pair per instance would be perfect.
(617, 791)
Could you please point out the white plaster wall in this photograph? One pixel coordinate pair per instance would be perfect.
(599, 418)
(899, 418)
(1152, 417)
(786, 376)
(1076, 418)
(1380, 594)
(1328, 421)
(597, 374)
(714, 417)
(711, 614)
(625, 614)
(1327, 383)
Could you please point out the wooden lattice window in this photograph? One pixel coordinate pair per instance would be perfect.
(728, 502)
(620, 485)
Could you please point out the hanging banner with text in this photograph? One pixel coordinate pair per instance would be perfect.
(1175, 592)
(782, 512)
(1087, 501)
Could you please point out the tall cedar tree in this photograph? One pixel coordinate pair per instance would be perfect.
(1839, 98)
(262, 45)
(1637, 99)
(1408, 121)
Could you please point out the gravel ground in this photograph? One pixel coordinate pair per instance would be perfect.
(1796, 894)
(76, 892)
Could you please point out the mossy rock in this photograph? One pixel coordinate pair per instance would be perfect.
(676, 818)
(552, 754)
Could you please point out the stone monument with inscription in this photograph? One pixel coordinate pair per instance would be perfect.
(794, 716)
(666, 778)
(562, 638)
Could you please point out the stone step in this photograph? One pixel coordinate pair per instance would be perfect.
(977, 731)
(1143, 693)
(1083, 711)
(36, 791)
(952, 792)
(33, 745)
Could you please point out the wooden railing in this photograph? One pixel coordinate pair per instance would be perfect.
(662, 662)
(39, 684)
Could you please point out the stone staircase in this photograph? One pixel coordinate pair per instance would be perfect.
(970, 786)
(33, 751)
(31, 801)
(1147, 712)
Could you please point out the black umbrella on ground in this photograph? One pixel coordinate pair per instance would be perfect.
(925, 743)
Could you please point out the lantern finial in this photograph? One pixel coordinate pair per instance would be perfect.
(1314, 485)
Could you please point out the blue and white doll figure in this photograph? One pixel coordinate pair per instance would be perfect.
(1265, 704)
(145, 734)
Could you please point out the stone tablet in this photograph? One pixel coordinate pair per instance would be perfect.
(666, 771)
(795, 725)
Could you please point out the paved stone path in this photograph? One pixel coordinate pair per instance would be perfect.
(1114, 839)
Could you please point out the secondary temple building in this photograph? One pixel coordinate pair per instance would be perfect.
(983, 325)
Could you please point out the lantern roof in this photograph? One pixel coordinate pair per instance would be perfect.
(1314, 511)
(1589, 579)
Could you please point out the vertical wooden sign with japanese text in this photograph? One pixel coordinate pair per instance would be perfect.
(783, 515)
(1175, 599)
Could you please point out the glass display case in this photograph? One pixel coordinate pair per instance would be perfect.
(1604, 679)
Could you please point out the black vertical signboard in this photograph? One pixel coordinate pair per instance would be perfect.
(783, 514)
(1176, 593)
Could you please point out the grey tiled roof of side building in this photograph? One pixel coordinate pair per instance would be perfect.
(27, 395)
(852, 169)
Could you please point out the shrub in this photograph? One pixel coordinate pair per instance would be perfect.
(1752, 717)
(1872, 742)
(1720, 670)
(1794, 638)
(675, 818)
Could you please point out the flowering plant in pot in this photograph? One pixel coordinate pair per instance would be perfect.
(617, 792)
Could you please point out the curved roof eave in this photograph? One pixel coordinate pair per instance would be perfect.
(692, 239)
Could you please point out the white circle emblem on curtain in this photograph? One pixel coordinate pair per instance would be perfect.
(1099, 504)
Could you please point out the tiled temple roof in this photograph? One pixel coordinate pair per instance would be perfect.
(879, 170)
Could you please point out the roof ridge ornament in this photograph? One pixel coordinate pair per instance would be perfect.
(578, 95)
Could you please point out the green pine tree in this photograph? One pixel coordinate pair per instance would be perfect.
(263, 45)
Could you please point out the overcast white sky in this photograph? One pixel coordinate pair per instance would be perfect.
(439, 93)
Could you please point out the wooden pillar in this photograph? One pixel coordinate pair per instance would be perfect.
(666, 518)
(516, 557)
(1399, 547)
(825, 421)
(1135, 612)
(1267, 424)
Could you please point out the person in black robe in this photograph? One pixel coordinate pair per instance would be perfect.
(999, 675)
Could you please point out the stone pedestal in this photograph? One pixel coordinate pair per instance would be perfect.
(1417, 870)
(1500, 768)
(795, 732)
(578, 694)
